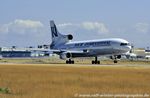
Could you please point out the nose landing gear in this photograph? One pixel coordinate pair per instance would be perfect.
(117, 57)
(115, 61)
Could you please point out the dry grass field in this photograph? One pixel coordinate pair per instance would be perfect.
(65, 81)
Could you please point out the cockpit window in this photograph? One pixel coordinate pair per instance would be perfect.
(123, 44)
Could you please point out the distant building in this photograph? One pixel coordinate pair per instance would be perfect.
(24, 52)
(15, 53)
(44, 46)
(147, 51)
(139, 51)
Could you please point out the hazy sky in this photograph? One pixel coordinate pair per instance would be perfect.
(26, 22)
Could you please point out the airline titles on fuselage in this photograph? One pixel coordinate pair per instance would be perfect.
(94, 44)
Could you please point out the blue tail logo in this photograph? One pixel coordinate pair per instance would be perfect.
(54, 31)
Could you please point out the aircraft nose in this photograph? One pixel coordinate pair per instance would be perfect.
(127, 48)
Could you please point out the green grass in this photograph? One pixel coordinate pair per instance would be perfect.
(4, 90)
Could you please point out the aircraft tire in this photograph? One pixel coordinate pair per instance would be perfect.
(72, 62)
(93, 62)
(98, 62)
(67, 61)
(115, 61)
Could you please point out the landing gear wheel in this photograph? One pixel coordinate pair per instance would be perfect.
(115, 61)
(98, 62)
(95, 61)
(69, 61)
(72, 62)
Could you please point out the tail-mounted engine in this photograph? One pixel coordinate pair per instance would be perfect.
(70, 37)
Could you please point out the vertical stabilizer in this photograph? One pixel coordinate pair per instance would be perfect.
(58, 39)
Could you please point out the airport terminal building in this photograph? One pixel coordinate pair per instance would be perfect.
(12, 52)
(15, 53)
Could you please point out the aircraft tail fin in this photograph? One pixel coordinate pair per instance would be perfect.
(54, 30)
(58, 39)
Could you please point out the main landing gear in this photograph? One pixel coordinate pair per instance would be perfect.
(69, 61)
(95, 61)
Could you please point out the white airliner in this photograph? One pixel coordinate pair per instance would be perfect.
(67, 49)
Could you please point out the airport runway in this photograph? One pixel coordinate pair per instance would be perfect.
(81, 65)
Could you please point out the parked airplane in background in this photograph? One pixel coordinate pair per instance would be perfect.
(66, 49)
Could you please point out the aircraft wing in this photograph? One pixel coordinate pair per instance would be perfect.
(61, 51)
(58, 51)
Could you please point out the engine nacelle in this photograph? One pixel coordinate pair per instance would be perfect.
(119, 57)
(65, 55)
(70, 37)
(115, 57)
